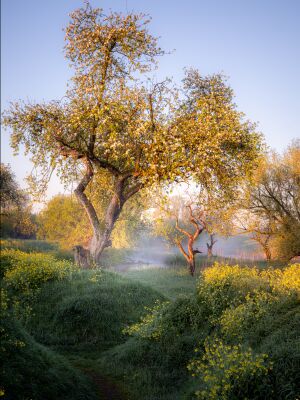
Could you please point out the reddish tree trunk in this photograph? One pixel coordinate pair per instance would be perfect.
(189, 255)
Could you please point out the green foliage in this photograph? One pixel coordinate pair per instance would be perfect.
(286, 241)
(229, 372)
(28, 246)
(11, 195)
(17, 219)
(64, 221)
(37, 246)
(225, 286)
(19, 223)
(243, 322)
(26, 273)
(150, 326)
(32, 371)
(91, 309)
(235, 321)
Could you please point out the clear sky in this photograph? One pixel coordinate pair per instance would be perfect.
(254, 42)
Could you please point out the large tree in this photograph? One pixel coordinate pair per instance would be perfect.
(63, 220)
(269, 210)
(114, 123)
(275, 199)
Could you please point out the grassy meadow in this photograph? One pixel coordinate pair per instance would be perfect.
(231, 332)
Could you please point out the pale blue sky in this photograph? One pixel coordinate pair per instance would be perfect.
(254, 42)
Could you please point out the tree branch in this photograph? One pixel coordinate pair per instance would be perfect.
(189, 235)
(182, 250)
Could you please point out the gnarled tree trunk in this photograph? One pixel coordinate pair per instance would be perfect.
(189, 254)
(122, 192)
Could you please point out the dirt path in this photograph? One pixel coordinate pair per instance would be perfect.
(107, 389)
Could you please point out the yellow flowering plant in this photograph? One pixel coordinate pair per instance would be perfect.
(227, 372)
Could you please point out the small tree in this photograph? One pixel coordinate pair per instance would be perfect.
(113, 123)
(197, 219)
(181, 220)
(180, 223)
(210, 244)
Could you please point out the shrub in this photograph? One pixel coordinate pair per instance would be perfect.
(25, 273)
(224, 286)
(238, 321)
(150, 325)
(229, 372)
(167, 320)
(285, 280)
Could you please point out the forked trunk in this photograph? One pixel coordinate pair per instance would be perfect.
(101, 240)
(190, 253)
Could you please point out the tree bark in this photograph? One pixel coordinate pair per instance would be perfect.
(101, 239)
(99, 243)
(189, 255)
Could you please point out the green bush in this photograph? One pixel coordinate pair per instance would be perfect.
(225, 286)
(26, 272)
(244, 320)
(39, 246)
(230, 372)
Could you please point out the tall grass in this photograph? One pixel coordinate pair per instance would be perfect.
(202, 262)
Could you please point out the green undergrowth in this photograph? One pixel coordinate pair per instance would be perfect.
(88, 311)
(237, 337)
(32, 371)
(39, 246)
(61, 309)
(177, 261)
(231, 333)
(171, 282)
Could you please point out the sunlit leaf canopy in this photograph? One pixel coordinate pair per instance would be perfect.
(123, 124)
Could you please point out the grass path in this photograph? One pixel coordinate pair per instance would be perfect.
(107, 389)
